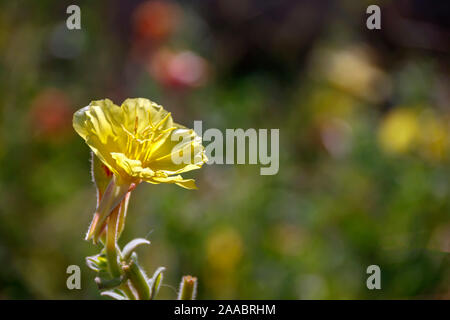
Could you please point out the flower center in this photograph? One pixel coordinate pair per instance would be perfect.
(141, 143)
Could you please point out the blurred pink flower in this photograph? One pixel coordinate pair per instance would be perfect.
(183, 69)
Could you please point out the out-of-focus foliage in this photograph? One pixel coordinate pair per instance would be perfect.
(364, 144)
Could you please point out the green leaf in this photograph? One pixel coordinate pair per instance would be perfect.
(131, 246)
(138, 278)
(113, 294)
(156, 281)
(97, 263)
(103, 283)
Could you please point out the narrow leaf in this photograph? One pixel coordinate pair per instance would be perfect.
(131, 246)
(97, 263)
(155, 282)
(103, 283)
(138, 278)
(113, 294)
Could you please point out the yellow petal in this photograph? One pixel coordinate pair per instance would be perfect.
(188, 143)
(185, 183)
(97, 124)
(142, 114)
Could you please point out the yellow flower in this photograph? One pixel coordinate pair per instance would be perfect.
(137, 141)
(398, 131)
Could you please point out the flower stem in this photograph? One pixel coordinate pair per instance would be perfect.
(123, 214)
(111, 240)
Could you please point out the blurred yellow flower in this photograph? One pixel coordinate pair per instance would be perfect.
(136, 142)
(224, 250)
(398, 130)
(353, 70)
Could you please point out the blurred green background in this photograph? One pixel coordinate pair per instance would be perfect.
(364, 144)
